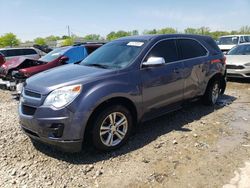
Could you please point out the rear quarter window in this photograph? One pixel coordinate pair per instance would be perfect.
(191, 48)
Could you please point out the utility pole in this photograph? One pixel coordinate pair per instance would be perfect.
(68, 31)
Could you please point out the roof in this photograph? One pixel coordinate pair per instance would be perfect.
(235, 35)
(151, 37)
(16, 48)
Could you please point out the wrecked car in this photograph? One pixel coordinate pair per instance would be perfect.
(17, 70)
(2, 59)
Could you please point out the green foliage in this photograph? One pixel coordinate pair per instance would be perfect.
(245, 30)
(115, 35)
(166, 30)
(9, 39)
(40, 41)
(92, 37)
(52, 38)
(68, 42)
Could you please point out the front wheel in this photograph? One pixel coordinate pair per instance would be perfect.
(112, 128)
(212, 93)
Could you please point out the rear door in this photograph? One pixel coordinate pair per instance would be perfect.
(194, 57)
(162, 86)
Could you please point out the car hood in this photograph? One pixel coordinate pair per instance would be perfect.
(47, 81)
(14, 62)
(237, 59)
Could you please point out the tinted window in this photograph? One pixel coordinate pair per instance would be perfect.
(166, 49)
(28, 52)
(213, 46)
(191, 49)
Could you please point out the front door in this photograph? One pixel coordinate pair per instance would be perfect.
(162, 86)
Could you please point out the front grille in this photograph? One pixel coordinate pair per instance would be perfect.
(28, 110)
(32, 94)
(234, 75)
(235, 67)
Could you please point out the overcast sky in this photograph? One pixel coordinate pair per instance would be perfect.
(29, 19)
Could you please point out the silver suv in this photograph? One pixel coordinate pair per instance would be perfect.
(10, 53)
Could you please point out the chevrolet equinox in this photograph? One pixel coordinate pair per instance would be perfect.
(124, 82)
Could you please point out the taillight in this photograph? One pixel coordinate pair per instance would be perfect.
(223, 60)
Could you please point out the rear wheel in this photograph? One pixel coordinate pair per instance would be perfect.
(212, 92)
(112, 128)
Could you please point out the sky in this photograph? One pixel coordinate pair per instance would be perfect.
(29, 19)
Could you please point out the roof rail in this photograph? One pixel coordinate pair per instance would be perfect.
(89, 42)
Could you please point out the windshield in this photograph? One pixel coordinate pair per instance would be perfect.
(54, 54)
(228, 40)
(240, 50)
(118, 54)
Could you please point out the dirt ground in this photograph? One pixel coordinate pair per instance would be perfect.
(197, 146)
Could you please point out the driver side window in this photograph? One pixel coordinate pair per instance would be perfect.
(166, 49)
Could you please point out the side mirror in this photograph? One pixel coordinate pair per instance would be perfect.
(63, 59)
(154, 62)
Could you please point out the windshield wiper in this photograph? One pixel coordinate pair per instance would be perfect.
(97, 65)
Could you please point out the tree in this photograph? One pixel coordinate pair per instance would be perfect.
(68, 42)
(9, 39)
(40, 41)
(92, 37)
(244, 30)
(150, 32)
(167, 30)
(114, 35)
(52, 38)
(190, 30)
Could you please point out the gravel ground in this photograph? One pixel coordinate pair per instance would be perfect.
(197, 146)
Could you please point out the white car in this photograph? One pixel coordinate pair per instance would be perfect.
(238, 61)
(10, 53)
(227, 42)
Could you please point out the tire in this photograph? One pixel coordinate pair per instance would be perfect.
(111, 128)
(212, 92)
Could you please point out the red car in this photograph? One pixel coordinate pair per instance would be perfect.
(2, 59)
(18, 69)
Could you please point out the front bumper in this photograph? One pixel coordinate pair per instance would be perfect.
(239, 73)
(61, 128)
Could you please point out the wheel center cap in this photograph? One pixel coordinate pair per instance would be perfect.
(113, 128)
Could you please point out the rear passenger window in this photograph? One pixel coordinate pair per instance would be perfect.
(166, 49)
(191, 49)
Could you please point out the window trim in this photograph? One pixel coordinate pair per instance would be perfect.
(178, 50)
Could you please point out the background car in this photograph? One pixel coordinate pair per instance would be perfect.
(238, 61)
(227, 42)
(10, 53)
(16, 70)
(2, 59)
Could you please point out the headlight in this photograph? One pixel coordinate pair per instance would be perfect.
(247, 64)
(63, 96)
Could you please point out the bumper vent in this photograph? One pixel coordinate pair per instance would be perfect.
(28, 110)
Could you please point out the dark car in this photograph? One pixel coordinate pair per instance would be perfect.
(126, 81)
